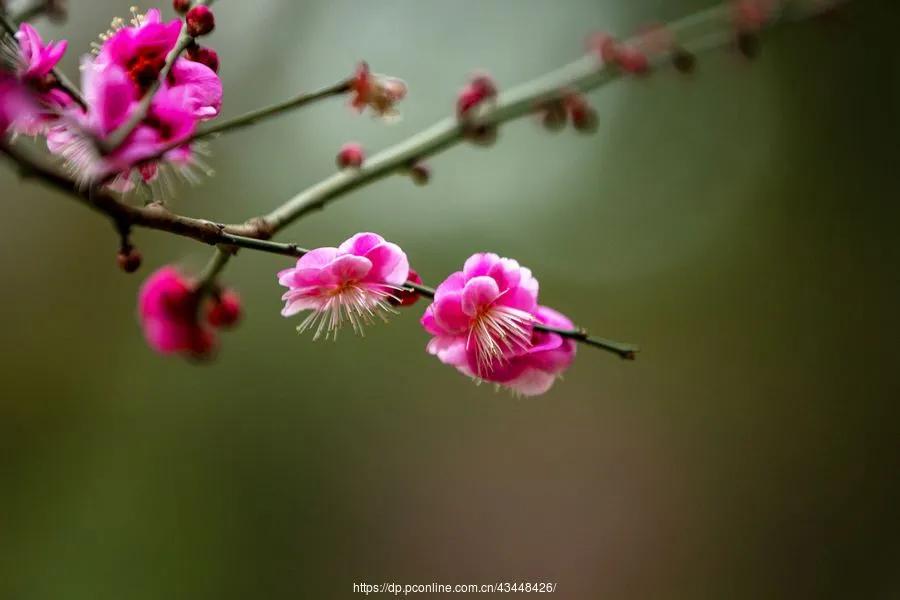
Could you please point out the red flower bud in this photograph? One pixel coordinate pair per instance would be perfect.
(200, 21)
(420, 173)
(129, 259)
(225, 310)
(181, 6)
(204, 56)
(407, 297)
(480, 88)
(350, 155)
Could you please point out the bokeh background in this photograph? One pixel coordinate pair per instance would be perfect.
(740, 225)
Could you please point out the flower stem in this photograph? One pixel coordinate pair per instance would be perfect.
(247, 119)
(207, 280)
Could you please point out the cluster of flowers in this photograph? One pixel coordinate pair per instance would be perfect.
(123, 70)
(482, 319)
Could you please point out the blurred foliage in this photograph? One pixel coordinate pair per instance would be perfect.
(740, 225)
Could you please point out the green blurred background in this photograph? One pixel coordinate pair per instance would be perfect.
(740, 225)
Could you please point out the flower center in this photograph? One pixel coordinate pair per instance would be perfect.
(496, 333)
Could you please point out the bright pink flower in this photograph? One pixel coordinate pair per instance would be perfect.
(378, 92)
(482, 316)
(355, 282)
(111, 99)
(33, 62)
(169, 314)
(37, 59)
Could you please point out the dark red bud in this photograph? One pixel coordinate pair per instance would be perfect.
(129, 259)
(420, 173)
(225, 311)
(181, 6)
(200, 21)
(350, 155)
(407, 297)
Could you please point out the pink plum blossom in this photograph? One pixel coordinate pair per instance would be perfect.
(37, 58)
(355, 282)
(169, 314)
(483, 315)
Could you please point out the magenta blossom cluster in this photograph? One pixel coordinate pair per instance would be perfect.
(171, 311)
(126, 66)
(483, 318)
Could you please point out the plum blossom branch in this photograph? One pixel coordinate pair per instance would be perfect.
(118, 137)
(692, 32)
(63, 82)
(622, 350)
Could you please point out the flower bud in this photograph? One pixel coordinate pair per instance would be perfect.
(420, 173)
(204, 56)
(554, 116)
(584, 117)
(683, 60)
(225, 310)
(350, 155)
(181, 6)
(481, 87)
(129, 259)
(406, 297)
(200, 21)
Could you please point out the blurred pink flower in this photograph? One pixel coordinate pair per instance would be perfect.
(355, 282)
(37, 58)
(17, 104)
(33, 63)
(128, 62)
(378, 92)
(169, 314)
(482, 316)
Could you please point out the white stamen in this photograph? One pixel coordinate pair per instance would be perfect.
(358, 304)
(497, 332)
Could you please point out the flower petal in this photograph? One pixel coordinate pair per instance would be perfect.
(479, 293)
(361, 243)
(389, 264)
(448, 313)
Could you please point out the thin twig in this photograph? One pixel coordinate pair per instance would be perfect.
(245, 120)
(62, 82)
